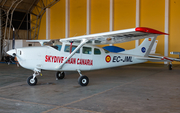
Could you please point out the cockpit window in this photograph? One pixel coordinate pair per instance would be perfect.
(55, 44)
(67, 48)
(58, 47)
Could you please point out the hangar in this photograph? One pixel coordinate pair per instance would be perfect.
(146, 88)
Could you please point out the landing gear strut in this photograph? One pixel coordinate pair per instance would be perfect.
(82, 80)
(32, 80)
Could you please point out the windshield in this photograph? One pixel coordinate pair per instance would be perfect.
(55, 44)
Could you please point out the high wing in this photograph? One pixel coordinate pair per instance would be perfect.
(113, 37)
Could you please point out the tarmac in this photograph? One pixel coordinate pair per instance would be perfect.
(141, 88)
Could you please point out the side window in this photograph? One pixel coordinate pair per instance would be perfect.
(97, 51)
(59, 47)
(87, 50)
(67, 49)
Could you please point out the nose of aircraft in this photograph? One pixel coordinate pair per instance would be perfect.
(11, 52)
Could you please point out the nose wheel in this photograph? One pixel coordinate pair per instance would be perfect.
(32, 81)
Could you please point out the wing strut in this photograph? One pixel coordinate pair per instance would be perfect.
(79, 46)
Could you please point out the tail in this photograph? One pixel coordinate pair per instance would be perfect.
(144, 49)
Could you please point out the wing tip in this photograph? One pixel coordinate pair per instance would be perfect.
(149, 30)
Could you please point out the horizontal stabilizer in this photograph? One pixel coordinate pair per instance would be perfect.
(154, 58)
(165, 58)
(151, 59)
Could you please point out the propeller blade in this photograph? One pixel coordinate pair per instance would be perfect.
(13, 43)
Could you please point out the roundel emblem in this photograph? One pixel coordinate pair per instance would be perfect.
(143, 49)
(108, 58)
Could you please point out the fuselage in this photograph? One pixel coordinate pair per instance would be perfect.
(86, 58)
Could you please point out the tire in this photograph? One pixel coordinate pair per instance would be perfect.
(60, 75)
(32, 82)
(170, 66)
(83, 80)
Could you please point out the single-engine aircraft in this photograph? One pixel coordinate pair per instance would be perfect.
(80, 53)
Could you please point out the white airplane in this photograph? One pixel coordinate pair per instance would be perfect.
(81, 54)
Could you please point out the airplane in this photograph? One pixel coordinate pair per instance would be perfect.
(81, 53)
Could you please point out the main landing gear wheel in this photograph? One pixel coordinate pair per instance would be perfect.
(60, 75)
(32, 81)
(170, 66)
(83, 80)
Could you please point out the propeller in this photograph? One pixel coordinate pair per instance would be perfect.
(11, 57)
(13, 43)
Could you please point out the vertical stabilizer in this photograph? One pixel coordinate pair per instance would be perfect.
(144, 48)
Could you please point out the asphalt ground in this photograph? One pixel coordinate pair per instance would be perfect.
(141, 88)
